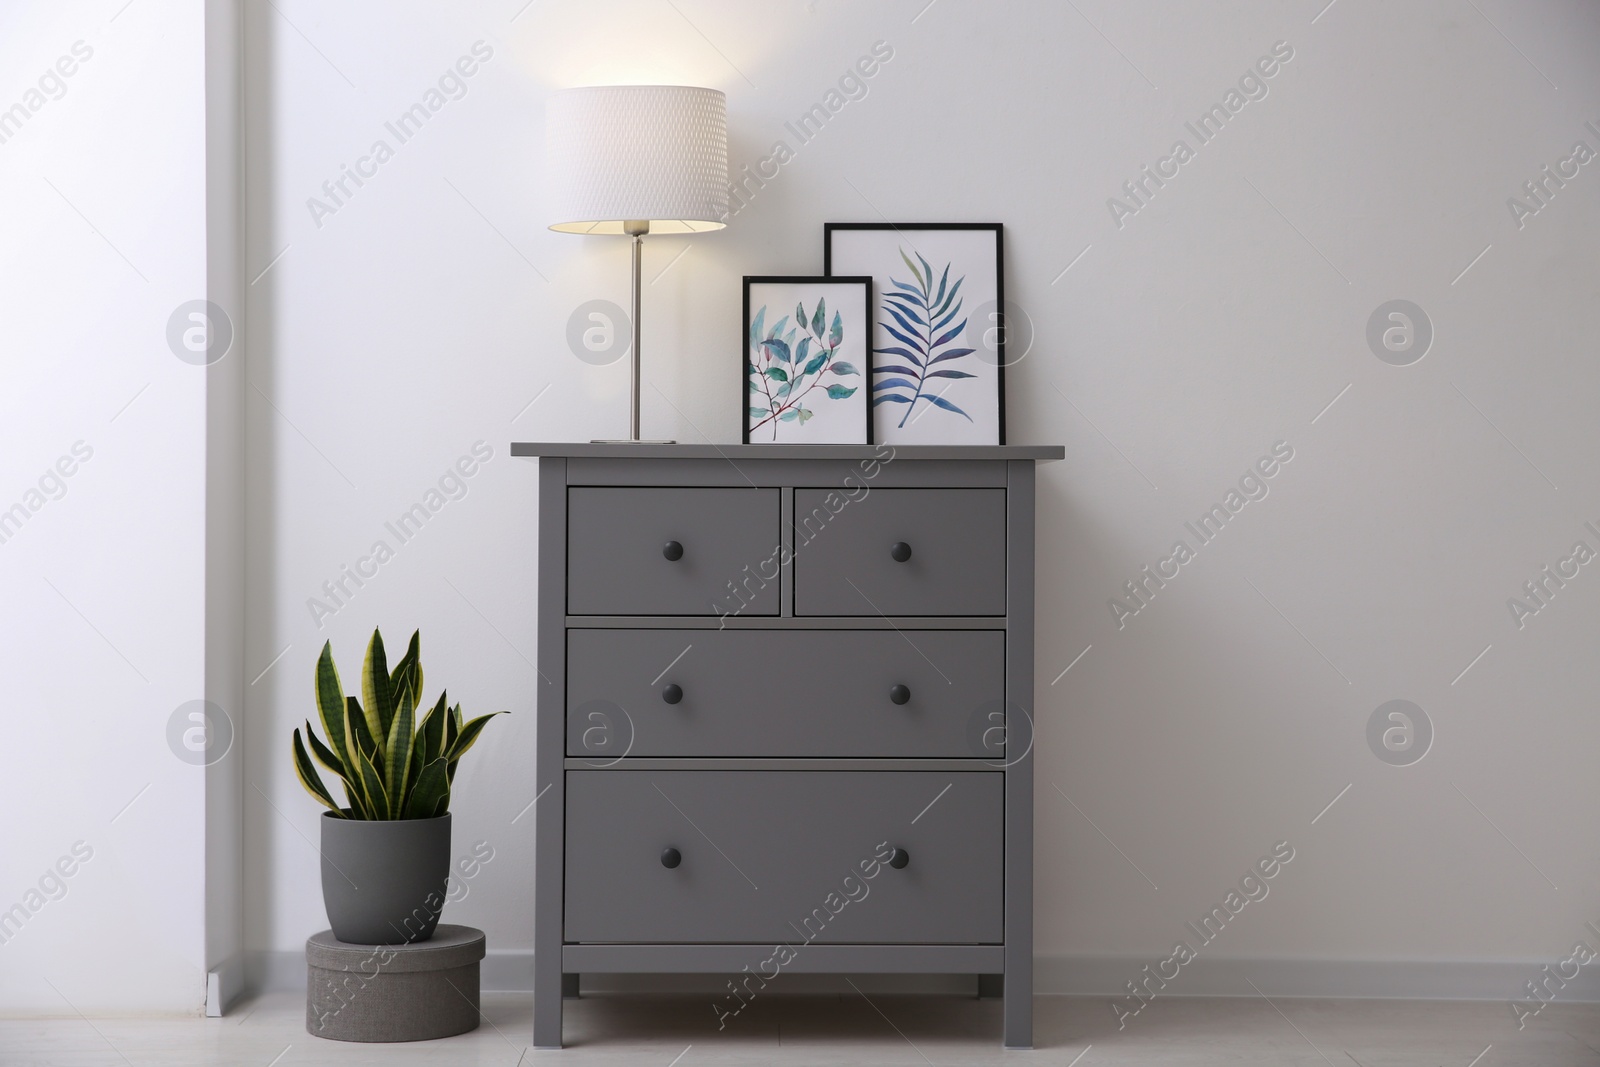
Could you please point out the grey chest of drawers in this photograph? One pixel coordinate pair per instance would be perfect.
(784, 716)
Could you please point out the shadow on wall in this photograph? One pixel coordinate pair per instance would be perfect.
(265, 234)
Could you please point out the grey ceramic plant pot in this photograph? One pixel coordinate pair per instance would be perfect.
(383, 882)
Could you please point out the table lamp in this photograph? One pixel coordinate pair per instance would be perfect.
(638, 159)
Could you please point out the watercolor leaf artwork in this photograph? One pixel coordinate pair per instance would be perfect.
(922, 321)
(788, 367)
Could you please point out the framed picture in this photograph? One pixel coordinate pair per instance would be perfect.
(938, 351)
(807, 360)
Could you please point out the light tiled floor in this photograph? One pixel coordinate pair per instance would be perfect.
(820, 1031)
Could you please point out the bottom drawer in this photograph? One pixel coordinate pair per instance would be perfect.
(791, 856)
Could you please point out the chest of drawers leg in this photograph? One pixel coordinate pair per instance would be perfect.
(795, 733)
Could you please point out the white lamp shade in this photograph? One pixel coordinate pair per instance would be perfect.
(657, 153)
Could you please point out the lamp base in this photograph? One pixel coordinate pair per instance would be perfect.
(627, 441)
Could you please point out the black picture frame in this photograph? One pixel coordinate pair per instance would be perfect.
(906, 228)
(862, 394)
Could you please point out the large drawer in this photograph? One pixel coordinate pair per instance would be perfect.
(783, 856)
(847, 563)
(619, 561)
(797, 693)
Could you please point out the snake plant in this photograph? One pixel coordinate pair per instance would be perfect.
(393, 766)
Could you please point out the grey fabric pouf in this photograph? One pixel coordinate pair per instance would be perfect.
(393, 992)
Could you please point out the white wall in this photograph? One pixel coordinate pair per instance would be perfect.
(104, 583)
(430, 309)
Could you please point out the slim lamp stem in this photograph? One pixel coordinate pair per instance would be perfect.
(638, 258)
(635, 228)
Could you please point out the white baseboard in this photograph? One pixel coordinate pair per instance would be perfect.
(508, 970)
(511, 971)
(225, 983)
(1338, 979)
(276, 970)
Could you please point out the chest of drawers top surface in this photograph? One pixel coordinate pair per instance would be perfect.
(623, 450)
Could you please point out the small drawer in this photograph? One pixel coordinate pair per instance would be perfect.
(787, 860)
(776, 693)
(901, 552)
(669, 551)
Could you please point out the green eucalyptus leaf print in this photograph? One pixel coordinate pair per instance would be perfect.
(786, 369)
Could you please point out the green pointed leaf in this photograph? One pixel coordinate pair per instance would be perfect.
(836, 332)
(816, 364)
(430, 797)
(469, 734)
(376, 695)
(330, 700)
(840, 392)
(429, 744)
(452, 727)
(410, 666)
(355, 725)
(408, 697)
(349, 778)
(372, 786)
(843, 366)
(357, 733)
(325, 756)
(309, 777)
(759, 413)
(777, 328)
(465, 736)
(397, 769)
(800, 313)
(777, 374)
(819, 317)
(789, 416)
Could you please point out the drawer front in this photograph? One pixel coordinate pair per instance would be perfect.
(773, 693)
(844, 563)
(617, 562)
(787, 863)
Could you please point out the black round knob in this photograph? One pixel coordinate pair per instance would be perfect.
(900, 694)
(900, 858)
(900, 551)
(671, 857)
(672, 550)
(672, 692)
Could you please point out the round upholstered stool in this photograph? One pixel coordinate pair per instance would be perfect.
(393, 992)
